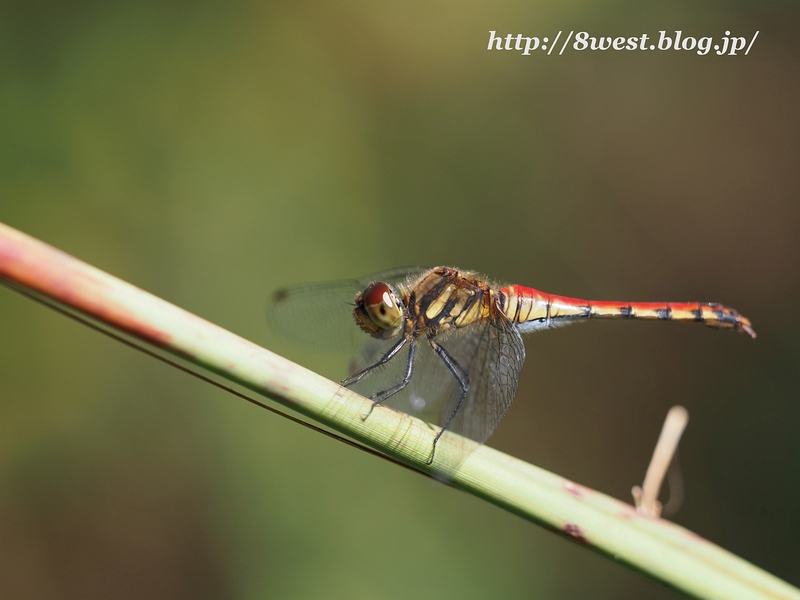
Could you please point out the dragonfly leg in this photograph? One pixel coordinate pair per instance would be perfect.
(356, 377)
(383, 396)
(462, 377)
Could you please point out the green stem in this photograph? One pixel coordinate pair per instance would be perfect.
(660, 549)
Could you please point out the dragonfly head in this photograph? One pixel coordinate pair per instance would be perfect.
(378, 311)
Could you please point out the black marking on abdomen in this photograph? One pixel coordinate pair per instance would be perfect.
(626, 311)
(518, 308)
(698, 314)
(724, 317)
(664, 313)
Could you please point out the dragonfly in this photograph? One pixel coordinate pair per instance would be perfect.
(445, 344)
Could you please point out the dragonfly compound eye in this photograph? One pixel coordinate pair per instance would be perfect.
(381, 305)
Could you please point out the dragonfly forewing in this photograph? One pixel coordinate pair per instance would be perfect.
(320, 315)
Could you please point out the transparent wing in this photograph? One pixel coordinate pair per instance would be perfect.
(491, 352)
(320, 314)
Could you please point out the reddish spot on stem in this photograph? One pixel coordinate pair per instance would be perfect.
(280, 386)
(575, 533)
(573, 489)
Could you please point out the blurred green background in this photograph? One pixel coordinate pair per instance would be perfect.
(211, 152)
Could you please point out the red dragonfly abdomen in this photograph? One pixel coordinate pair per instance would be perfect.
(531, 309)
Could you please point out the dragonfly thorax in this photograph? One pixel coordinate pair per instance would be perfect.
(445, 299)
